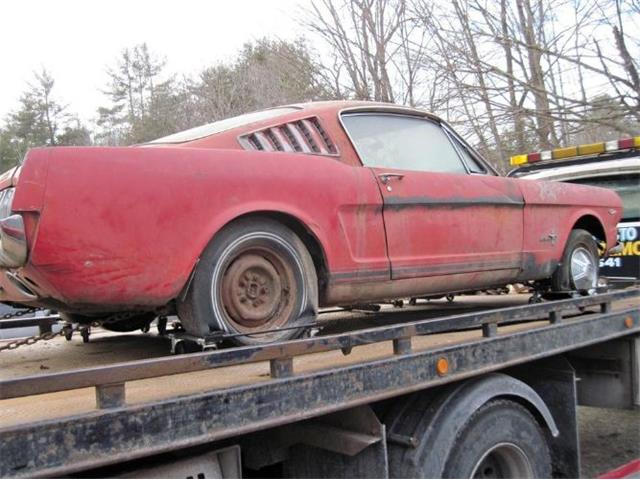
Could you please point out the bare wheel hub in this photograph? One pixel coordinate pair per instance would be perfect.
(256, 290)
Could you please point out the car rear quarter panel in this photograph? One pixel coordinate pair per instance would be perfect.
(125, 226)
(32, 179)
(552, 209)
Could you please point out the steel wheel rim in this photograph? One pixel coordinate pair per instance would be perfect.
(584, 269)
(504, 460)
(257, 290)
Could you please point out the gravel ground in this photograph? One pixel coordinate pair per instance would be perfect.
(608, 439)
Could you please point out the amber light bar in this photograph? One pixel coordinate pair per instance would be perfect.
(576, 151)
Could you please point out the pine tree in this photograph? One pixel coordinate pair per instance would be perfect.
(40, 120)
(139, 96)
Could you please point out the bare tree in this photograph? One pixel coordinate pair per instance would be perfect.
(375, 45)
(520, 77)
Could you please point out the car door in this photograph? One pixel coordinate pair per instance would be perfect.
(440, 216)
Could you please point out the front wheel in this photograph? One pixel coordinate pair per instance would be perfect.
(255, 280)
(579, 266)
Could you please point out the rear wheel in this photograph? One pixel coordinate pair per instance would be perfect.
(460, 431)
(257, 278)
(579, 266)
(500, 440)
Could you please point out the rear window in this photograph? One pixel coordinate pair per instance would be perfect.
(223, 125)
(627, 186)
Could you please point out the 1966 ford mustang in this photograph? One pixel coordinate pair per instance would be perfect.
(249, 224)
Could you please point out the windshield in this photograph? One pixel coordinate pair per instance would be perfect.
(627, 186)
(223, 125)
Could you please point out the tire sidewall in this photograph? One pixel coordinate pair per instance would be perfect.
(562, 280)
(205, 311)
(499, 422)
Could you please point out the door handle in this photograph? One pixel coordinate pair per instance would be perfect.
(385, 177)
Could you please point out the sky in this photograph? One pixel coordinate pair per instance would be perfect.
(77, 40)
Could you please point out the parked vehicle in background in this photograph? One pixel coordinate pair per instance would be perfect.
(614, 165)
(248, 224)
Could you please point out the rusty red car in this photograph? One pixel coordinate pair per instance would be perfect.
(250, 224)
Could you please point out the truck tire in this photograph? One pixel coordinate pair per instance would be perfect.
(578, 269)
(448, 430)
(500, 440)
(256, 275)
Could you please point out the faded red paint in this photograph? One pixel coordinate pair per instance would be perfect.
(117, 228)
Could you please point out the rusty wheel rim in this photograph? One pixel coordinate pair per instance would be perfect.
(258, 290)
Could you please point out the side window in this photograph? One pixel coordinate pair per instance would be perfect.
(468, 158)
(402, 142)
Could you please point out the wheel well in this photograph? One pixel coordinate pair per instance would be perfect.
(592, 225)
(435, 418)
(310, 241)
(531, 407)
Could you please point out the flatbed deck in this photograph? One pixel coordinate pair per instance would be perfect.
(107, 348)
(357, 359)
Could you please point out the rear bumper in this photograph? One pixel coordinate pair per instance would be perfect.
(14, 289)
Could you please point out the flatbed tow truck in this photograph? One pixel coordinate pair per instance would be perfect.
(485, 386)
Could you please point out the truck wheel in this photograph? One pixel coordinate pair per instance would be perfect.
(578, 269)
(500, 440)
(256, 275)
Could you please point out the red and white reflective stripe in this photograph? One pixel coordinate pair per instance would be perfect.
(628, 470)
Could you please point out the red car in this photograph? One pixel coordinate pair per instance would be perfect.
(251, 223)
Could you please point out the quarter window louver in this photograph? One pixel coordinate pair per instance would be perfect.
(289, 132)
(284, 142)
(254, 142)
(263, 141)
(331, 148)
(306, 136)
(274, 140)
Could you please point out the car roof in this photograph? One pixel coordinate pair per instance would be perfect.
(361, 105)
(319, 108)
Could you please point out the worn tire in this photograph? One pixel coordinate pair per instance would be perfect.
(580, 242)
(497, 441)
(250, 249)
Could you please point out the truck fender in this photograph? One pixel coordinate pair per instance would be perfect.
(435, 421)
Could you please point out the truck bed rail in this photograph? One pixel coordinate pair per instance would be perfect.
(281, 354)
